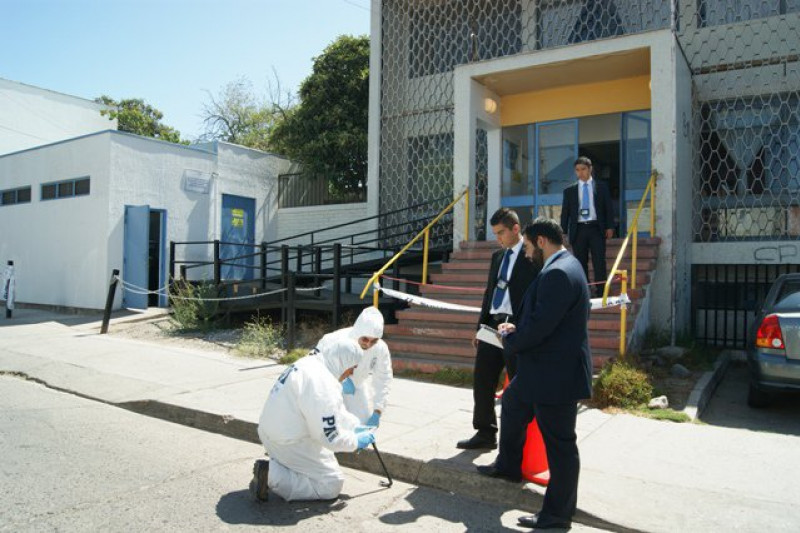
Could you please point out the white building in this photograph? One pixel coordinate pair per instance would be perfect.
(31, 116)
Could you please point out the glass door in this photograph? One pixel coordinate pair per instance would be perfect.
(635, 157)
(556, 151)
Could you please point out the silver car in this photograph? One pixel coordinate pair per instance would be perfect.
(773, 353)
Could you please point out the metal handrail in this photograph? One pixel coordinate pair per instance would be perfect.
(650, 191)
(426, 233)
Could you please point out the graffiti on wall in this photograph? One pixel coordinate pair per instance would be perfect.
(783, 253)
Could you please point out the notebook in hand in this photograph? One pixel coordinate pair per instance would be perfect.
(489, 336)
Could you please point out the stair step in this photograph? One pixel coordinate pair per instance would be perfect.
(437, 315)
(401, 361)
(451, 350)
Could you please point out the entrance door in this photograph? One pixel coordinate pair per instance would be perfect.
(135, 255)
(635, 156)
(238, 234)
(556, 151)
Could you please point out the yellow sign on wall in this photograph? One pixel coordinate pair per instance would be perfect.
(237, 218)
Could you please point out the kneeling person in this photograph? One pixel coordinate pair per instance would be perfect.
(304, 422)
(367, 390)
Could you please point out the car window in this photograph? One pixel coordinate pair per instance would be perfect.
(788, 287)
(789, 303)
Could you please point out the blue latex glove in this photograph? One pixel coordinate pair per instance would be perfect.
(361, 429)
(365, 438)
(348, 387)
(375, 419)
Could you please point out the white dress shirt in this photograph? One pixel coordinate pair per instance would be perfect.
(592, 212)
(505, 307)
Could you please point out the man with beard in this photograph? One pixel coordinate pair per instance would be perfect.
(554, 371)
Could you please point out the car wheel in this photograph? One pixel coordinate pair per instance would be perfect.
(757, 398)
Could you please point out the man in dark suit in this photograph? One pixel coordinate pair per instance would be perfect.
(587, 217)
(554, 371)
(510, 274)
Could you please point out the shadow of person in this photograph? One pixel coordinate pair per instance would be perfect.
(239, 508)
(476, 516)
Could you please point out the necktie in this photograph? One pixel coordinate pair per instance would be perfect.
(500, 288)
(585, 199)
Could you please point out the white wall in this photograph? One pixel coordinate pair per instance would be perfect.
(58, 246)
(293, 220)
(30, 116)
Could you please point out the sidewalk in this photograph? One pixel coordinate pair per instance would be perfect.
(637, 474)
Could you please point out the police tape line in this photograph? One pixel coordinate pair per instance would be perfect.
(130, 287)
(597, 303)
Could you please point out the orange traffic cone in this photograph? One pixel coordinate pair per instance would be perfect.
(534, 457)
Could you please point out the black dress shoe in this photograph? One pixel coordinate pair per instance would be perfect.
(538, 523)
(491, 471)
(478, 442)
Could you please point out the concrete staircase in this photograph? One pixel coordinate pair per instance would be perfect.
(428, 339)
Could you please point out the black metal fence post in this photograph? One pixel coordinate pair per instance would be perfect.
(290, 297)
(10, 312)
(217, 264)
(112, 289)
(336, 289)
(263, 266)
(172, 259)
(284, 278)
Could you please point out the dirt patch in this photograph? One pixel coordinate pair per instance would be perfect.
(165, 331)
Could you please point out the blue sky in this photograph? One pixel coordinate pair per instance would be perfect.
(169, 52)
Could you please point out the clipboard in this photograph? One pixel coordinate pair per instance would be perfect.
(489, 336)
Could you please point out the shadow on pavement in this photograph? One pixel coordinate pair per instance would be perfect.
(426, 502)
(28, 315)
(240, 508)
(728, 407)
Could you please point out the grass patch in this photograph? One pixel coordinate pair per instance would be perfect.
(664, 414)
(293, 355)
(260, 338)
(622, 385)
(457, 377)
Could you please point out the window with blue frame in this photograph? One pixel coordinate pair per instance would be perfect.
(65, 189)
(21, 195)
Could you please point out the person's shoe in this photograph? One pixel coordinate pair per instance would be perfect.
(258, 485)
(478, 442)
(538, 523)
(492, 471)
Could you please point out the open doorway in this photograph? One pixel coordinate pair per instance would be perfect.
(143, 265)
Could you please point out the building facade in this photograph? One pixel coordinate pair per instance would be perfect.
(500, 97)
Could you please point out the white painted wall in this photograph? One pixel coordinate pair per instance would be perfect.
(293, 220)
(58, 246)
(31, 116)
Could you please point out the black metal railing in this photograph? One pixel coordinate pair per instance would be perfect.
(726, 298)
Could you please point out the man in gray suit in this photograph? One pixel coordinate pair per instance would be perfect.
(554, 371)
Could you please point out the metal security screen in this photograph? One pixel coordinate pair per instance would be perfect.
(743, 57)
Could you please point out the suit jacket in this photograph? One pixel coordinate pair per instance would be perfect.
(570, 208)
(551, 342)
(522, 275)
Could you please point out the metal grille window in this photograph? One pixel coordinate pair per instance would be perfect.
(301, 190)
(716, 12)
(15, 196)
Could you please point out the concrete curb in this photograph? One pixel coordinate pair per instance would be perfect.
(705, 387)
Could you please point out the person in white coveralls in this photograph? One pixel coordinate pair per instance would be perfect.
(367, 390)
(304, 421)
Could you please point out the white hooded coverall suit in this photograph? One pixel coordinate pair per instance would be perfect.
(304, 421)
(376, 363)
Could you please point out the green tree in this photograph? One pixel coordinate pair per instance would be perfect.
(237, 115)
(135, 116)
(327, 130)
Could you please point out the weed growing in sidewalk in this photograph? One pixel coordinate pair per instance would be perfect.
(260, 338)
(621, 384)
(189, 309)
(293, 355)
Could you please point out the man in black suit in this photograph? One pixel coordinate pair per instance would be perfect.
(587, 217)
(509, 276)
(554, 371)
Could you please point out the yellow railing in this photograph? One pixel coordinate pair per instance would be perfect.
(633, 230)
(426, 231)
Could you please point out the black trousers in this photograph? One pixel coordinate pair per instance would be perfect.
(557, 424)
(590, 237)
(489, 364)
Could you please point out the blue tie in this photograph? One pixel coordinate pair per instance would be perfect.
(585, 200)
(499, 293)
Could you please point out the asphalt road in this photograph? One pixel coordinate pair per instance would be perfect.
(728, 407)
(70, 464)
